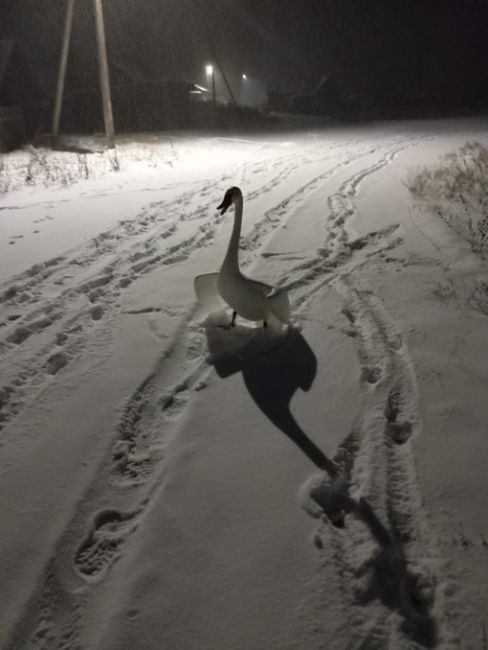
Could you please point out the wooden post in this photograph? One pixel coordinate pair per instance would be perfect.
(213, 86)
(224, 77)
(68, 23)
(229, 89)
(213, 49)
(103, 72)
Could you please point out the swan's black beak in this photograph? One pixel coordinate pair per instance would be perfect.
(226, 203)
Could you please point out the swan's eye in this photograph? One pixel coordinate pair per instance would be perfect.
(226, 202)
(231, 196)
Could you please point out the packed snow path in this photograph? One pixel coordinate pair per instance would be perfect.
(159, 472)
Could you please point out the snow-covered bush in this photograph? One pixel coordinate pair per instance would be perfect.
(42, 166)
(4, 177)
(457, 189)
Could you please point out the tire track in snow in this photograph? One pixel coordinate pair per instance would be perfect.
(277, 213)
(338, 245)
(146, 426)
(385, 557)
(377, 460)
(95, 539)
(137, 464)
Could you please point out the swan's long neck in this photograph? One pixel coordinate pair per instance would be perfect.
(231, 260)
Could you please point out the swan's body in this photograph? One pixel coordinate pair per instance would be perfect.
(253, 300)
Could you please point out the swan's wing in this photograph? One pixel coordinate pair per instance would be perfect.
(277, 300)
(264, 289)
(261, 287)
(279, 304)
(206, 292)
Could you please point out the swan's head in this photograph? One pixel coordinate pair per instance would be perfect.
(232, 195)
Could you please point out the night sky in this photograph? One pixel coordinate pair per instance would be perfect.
(441, 44)
(396, 52)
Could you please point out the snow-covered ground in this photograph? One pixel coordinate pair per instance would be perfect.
(161, 477)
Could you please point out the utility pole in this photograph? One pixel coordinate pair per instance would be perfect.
(229, 89)
(63, 61)
(213, 49)
(108, 118)
(102, 70)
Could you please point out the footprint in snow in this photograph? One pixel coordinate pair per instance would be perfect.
(55, 362)
(400, 429)
(96, 312)
(173, 403)
(321, 496)
(349, 315)
(102, 546)
(61, 338)
(19, 335)
(125, 281)
(371, 375)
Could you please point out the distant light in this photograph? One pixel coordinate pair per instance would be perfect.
(244, 76)
(209, 69)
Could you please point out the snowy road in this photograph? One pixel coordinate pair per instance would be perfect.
(156, 496)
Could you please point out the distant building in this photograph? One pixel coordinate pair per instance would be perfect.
(325, 99)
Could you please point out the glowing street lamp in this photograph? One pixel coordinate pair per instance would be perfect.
(209, 69)
(244, 89)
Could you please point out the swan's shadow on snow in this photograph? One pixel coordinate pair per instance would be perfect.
(273, 368)
(391, 580)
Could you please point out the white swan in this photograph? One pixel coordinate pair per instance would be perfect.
(253, 300)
